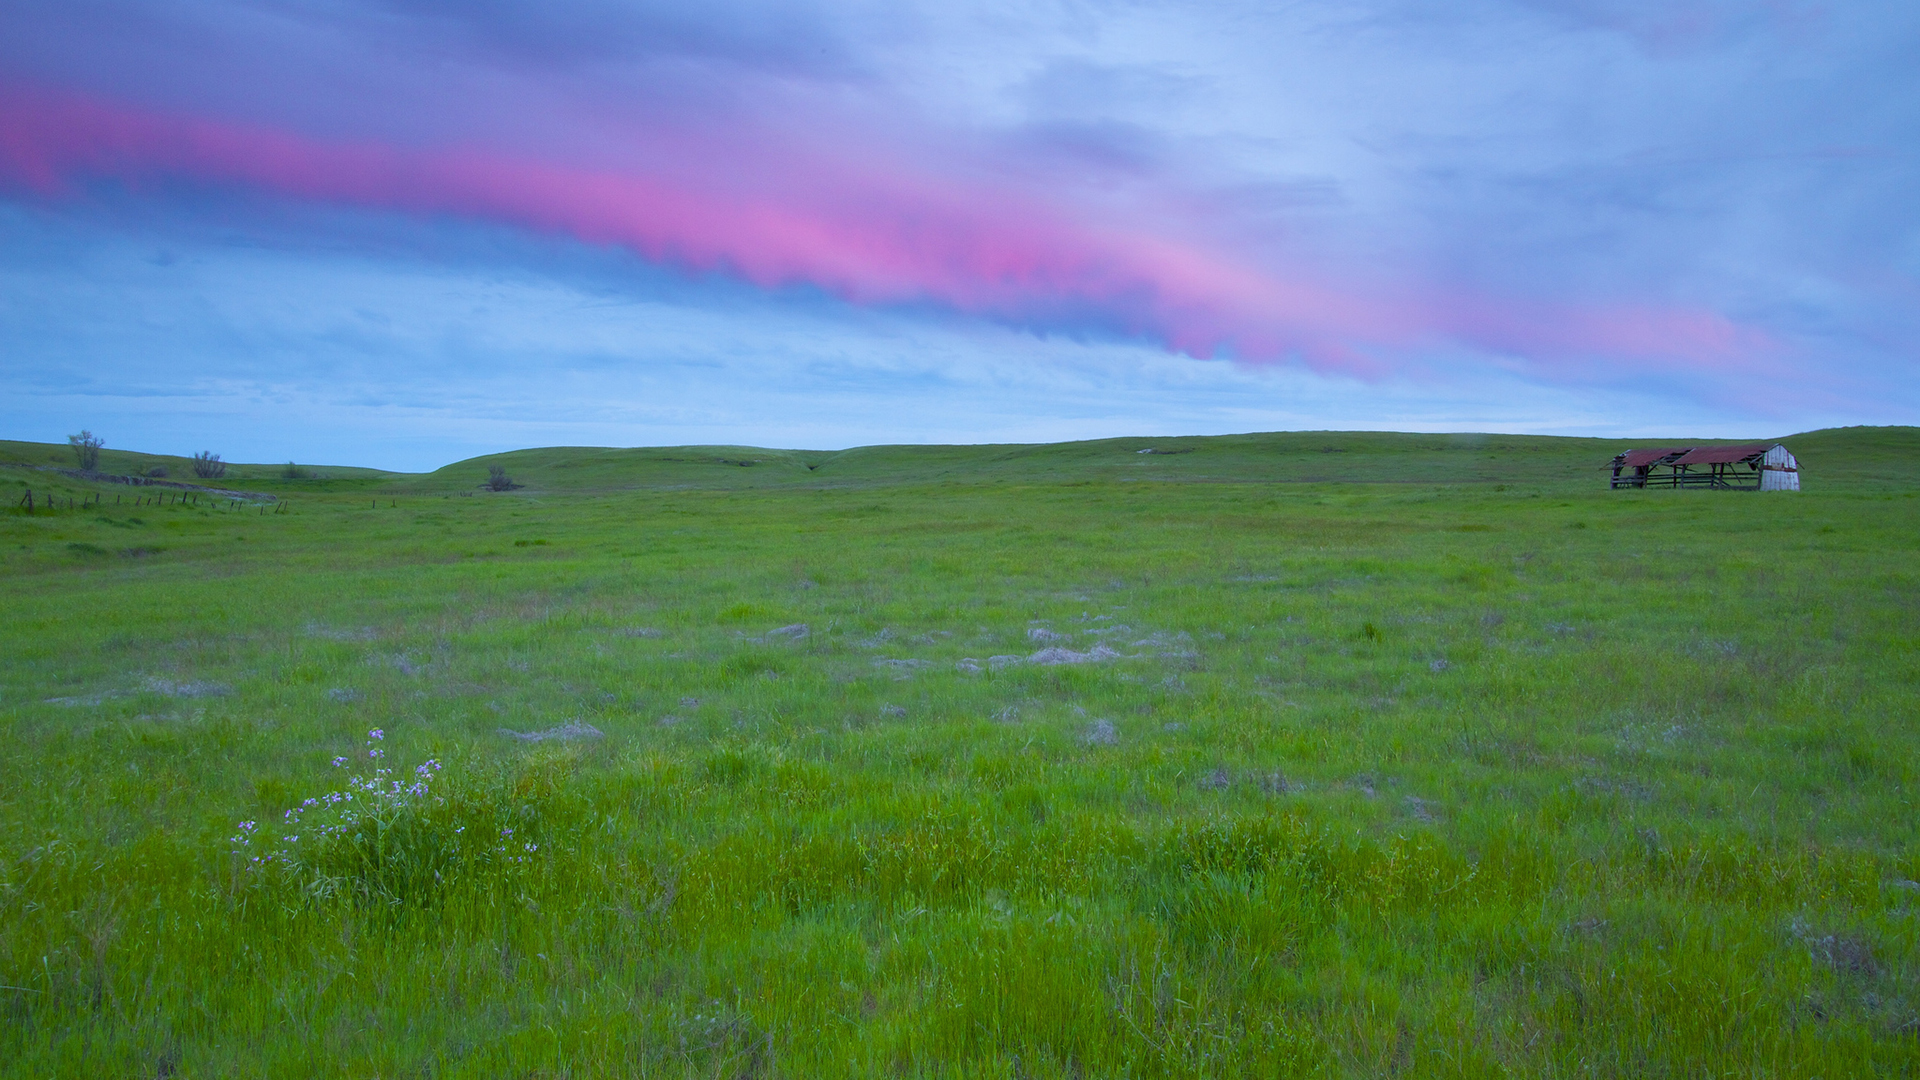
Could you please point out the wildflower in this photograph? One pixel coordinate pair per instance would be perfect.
(293, 839)
(246, 826)
(533, 847)
(376, 733)
(506, 832)
(338, 762)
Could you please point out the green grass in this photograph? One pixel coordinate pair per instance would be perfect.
(1476, 770)
(1842, 459)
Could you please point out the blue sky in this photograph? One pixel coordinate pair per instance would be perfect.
(400, 233)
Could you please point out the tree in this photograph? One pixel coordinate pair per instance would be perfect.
(208, 466)
(498, 480)
(86, 447)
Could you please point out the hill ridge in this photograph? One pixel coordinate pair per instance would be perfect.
(1876, 456)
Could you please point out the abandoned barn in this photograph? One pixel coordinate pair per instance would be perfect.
(1752, 467)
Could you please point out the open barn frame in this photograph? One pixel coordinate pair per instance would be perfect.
(1751, 467)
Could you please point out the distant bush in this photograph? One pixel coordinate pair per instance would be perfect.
(295, 472)
(86, 449)
(208, 466)
(158, 471)
(498, 480)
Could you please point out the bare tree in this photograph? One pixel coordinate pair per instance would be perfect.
(208, 466)
(498, 480)
(86, 447)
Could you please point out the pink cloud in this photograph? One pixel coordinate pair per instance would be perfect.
(857, 226)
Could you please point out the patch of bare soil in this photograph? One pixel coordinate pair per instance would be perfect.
(186, 689)
(566, 732)
(1060, 655)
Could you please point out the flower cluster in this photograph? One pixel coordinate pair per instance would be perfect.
(361, 797)
(242, 841)
(389, 833)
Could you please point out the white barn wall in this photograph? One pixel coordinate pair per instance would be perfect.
(1779, 471)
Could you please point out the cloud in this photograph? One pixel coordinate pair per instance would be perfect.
(878, 232)
(792, 38)
(273, 353)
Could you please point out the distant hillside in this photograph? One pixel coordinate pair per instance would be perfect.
(1835, 459)
(115, 461)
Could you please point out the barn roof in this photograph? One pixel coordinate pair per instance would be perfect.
(1634, 459)
(1723, 455)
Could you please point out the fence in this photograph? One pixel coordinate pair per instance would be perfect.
(50, 501)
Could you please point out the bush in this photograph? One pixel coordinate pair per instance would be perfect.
(498, 480)
(399, 841)
(208, 466)
(295, 472)
(86, 448)
(157, 472)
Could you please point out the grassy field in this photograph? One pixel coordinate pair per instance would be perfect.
(1310, 754)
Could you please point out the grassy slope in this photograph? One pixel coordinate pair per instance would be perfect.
(120, 462)
(1847, 458)
(1838, 459)
(1413, 778)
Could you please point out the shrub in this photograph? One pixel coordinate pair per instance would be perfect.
(157, 472)
(208, 466)
(399, 841)
(86, 449)
(295, 472)
(498, 480)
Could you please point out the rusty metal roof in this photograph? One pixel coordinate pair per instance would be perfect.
(1723, 455)
(1634, 459)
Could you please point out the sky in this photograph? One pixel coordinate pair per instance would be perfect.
(399, 233)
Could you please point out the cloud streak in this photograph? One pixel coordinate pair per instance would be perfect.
(862, 226)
